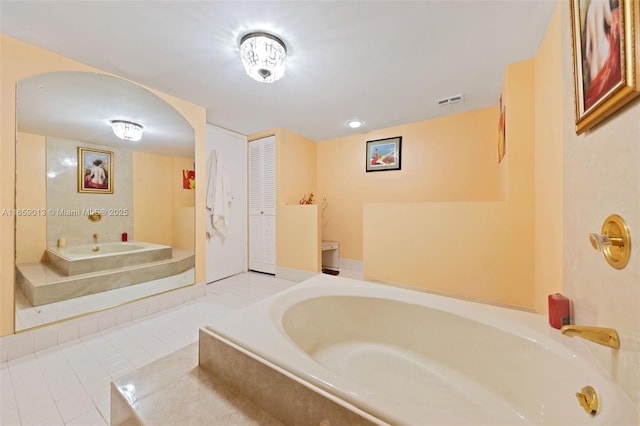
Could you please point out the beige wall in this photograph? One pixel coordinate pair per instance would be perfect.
(452, 158)
(153, 198)
(19, 60)
(548, 164)
(301, 237)
(181, 197)
(296, 161)
(601, 176)
(183, 206)
(163, 210)
(31, 192)
(478, 250)
(469, 250)
(296, 176)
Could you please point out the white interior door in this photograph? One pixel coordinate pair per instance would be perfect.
(227, 255)
(262, 205)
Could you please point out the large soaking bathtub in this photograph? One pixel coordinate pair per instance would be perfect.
(410, 357)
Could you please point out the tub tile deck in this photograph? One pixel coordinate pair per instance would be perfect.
(288, 398)
(42, 285)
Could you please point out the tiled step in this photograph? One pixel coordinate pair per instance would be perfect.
(214, 382)
(42, 285)
(176, 391)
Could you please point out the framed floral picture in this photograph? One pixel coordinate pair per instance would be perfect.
(188, 179)
(95, 171)
(383, 154)
(605, 46)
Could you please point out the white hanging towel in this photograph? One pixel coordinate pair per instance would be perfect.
(219, 196)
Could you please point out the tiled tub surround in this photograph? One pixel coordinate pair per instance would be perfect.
(41, 284)
(98, 257)
(287, 397)
(408, 357)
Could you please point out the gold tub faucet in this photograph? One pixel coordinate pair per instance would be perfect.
(95, 237)
(604, 336)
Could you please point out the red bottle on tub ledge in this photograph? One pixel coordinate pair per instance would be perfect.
(125, 237)
(559, 310)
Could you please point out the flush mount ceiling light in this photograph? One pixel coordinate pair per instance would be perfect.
(354, 124)
(263, 56)
(127, 130)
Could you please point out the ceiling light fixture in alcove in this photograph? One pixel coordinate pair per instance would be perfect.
(127, 130)
(263, 56)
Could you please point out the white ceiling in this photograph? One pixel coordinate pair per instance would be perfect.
(81, 105)
(385, 62)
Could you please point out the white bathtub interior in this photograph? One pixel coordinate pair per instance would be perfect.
(409, 357)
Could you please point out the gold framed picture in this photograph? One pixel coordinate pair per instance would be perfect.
(605, 58)
(95, 171)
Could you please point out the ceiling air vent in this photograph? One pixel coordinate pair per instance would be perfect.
(456, 99)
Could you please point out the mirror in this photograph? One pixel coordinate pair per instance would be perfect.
(100, 221)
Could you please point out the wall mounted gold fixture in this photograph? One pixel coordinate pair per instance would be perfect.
(588, 399)
(614, 241)
(95, 216)
(604, 336)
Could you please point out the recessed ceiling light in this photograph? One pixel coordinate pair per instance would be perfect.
(354, 124)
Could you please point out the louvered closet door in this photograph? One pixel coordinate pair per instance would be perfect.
(262, 205)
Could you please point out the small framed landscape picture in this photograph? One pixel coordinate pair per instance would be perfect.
(384, 154)
(95, 171)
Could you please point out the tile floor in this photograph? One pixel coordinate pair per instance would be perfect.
(28, 316)
(68, 384)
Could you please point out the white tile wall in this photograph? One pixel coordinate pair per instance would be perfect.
(601, 177)
(77, 229)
